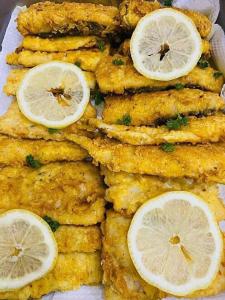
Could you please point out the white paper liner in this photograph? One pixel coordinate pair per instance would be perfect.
(11, 41)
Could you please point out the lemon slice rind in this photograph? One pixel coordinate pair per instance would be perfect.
(47, 259)
(159, 281)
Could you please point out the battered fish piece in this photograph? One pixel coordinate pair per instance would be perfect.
(78, 239)
(125, 47)
(118, 269)
(49, 19)
(156, 107)
(16, 76)
(87, 59)
(74, 184)
(128, 192)
(120, 276)
(83, 214)
(205, 162)
(13, 123)
(71, 271)
(131, 11)
(13, 152)
(116, 79)
(60, 44)
(197, 130)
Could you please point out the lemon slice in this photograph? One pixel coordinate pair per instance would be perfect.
(54, 94)
(175, 243)
(165, 45)
(27, 249)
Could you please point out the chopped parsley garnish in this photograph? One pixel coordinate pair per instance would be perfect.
(203, 63)
(101, 45)
(52, 130)
(168, 2)
(97, 97)
(52, 223)
(78, 63)
(125, 120)
(179, 86)
(168, 147)
(118, 62)
(33, 163)
(217, 74)
(174, 124)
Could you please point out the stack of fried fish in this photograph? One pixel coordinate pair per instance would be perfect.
(154, 137)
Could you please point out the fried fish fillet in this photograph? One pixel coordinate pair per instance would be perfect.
(56, 186)
(50, 19)
(13, 152)
(60, 44)
(118, 269)
(128, 192)
(78, 239)
(197, 130)
(87, 59)
(131, 11)
(16, 76)
(200, 161)
(120, 277)
(14, 124)
(71, 271)
(125, 48)
(150, 108)
(116, 79)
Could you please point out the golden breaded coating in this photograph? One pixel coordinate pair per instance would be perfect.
(84, 214)
(74, 184)
(16, 76)
(125, 48)
(197, 130)
(200, 161)
(150, 108)
(118, 269)
(87, 59)
(61, 44)
(132, 11)
(119, 274)
(71, 271)
(13, 152)
(116, 79)
(49, 19)
(78, 239)
(128, 192)
(13, 123)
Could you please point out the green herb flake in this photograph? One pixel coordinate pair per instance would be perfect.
(217, 74)
(203, 63)
(52, 223)
(168, 2)
(53, 130)
(125, 120)
(118, 62)
(78, 63)
(174, 124)
(167, 147)
(179, 86)
(97, 97)
(33, 163)
(101, 45)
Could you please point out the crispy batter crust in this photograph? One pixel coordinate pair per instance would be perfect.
(198, 130)
(132, 11)
(88, 59)
(128, 192)
(148, 108)
(119, 79)
(65, 18)
(201, 161)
